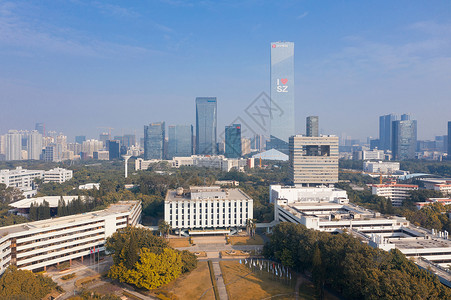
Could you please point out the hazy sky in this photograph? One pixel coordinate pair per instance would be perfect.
(78, 65)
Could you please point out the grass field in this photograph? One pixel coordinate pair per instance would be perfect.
(179, 242)
(190, 286)
(252, 286)
(246, 240)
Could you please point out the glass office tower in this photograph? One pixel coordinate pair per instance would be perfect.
(180, 142)
(312, 126)
(154, 136)
(282, 95)
(206, 121)
(233, 141)
(404, 139)
(385, 131)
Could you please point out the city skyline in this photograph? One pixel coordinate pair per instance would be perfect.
(88, 59)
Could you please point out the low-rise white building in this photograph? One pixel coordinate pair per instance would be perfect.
(22, 179)
(57, 175)
(384, 167)
(394, 191)
(212, 209)
(307, 194)
(37, 245)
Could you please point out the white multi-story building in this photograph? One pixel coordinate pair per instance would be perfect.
(37, 245)
(383, 167)
(22, 179)
(369, 155)
(34, 145)
(207, 209)
(442, 185)
(307, 194)
(394, 191)
(57, 175)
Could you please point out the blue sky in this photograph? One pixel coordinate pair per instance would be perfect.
(78, 65)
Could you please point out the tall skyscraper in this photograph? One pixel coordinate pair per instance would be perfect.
(79, 139)
(180, 141)
(206, 122)
(385, 131)
(113, 147)
(154, 136)
(13, 145)
(405, 117)
(312, 126)
(282, 95)
(313, 160)
(449, 140)
(404, 139)
(233, 141)
(34, 145)
(40, 127)
(103, 137)
(129, 140)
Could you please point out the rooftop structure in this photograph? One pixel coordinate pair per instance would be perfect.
(213, 209)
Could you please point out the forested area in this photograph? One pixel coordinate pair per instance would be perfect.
(355, 270)
(23, 284)
(146, 260)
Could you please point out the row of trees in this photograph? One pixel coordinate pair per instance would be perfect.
(146, 260)
(350, 267)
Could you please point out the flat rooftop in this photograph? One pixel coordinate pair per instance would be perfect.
(207, 193)
(117, 208)
(420, 243)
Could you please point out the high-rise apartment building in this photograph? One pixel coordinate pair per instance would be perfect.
(103, 137)
(233, 141)
(404, 139)
(129, 140)
(206, 122)
(34, 145)
(282, 95)
(13, 145)
(154, 140)
(312, 126)
(385, 131)
(180, 141)
(313, 160)
(40, 127)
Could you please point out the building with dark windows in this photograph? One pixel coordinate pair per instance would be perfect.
(233, 141)
(79, 139)
(129, 140)
(449, 140)
(206, 122)
(312, 126)
(282, 95)
(40, 127)
(404, 139)
(385, 131)
(180, 141)
(113, 147)
(154, 136)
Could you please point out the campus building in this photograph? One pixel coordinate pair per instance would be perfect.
(383, 167)
(396, 192)
(37, 245)
(57, 175)
(203, 210)
(313, 160)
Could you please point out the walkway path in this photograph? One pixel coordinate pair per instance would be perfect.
(220, 281)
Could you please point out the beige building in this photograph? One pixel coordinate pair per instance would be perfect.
(313, 160)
